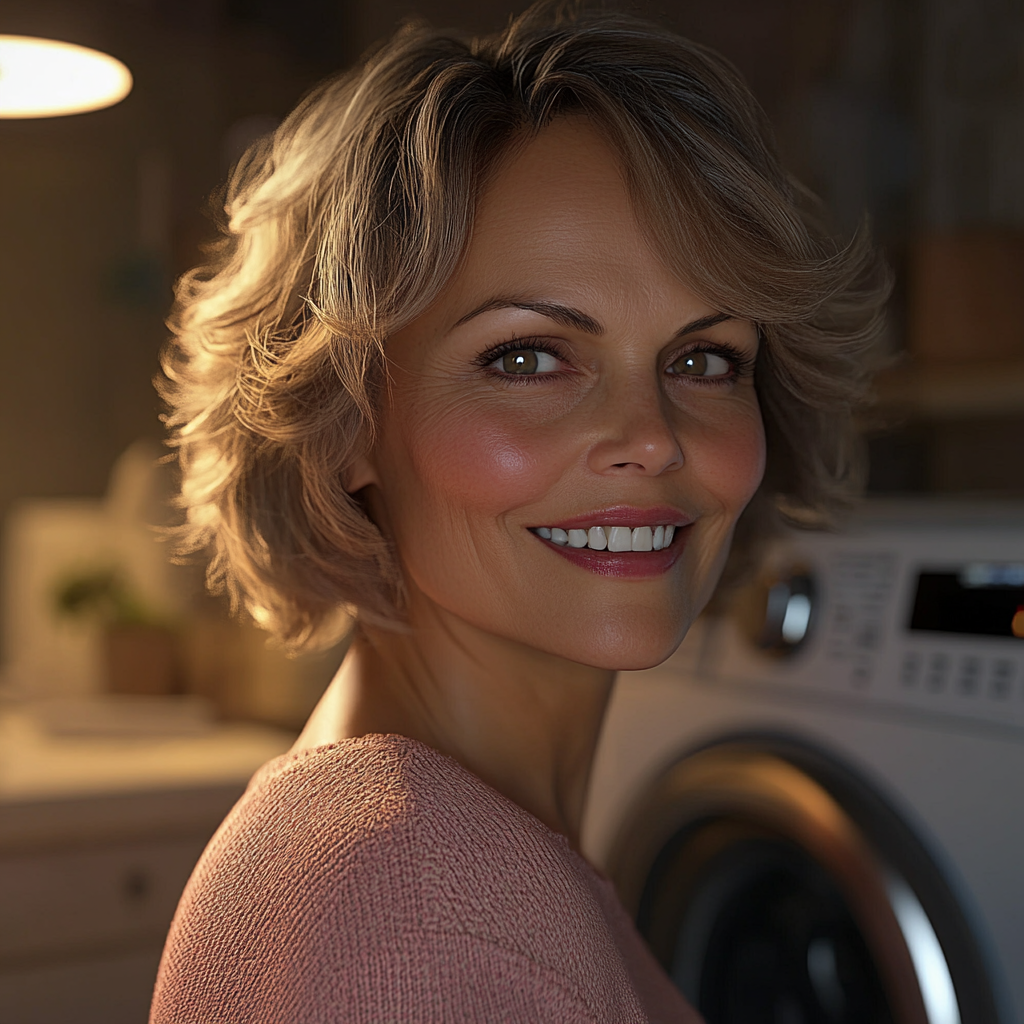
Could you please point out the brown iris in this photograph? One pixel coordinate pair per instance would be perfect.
(522, 361)
(694, 363)
(700, 364)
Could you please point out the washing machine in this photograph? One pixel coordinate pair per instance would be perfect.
(815, 809)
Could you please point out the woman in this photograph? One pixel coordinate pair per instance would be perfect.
(507, 339)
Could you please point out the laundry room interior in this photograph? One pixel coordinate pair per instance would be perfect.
(814, 809)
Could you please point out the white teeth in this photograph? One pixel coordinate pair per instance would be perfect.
(620, 538)
(610, 538)
(642, 539)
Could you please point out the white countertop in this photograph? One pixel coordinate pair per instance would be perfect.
(57, 787)
(36, 764)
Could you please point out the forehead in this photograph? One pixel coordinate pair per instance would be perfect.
(557, 206)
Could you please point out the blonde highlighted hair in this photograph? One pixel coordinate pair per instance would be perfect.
(346, 224)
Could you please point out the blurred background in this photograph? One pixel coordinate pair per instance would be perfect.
(910, 112)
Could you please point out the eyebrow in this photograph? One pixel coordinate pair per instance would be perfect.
(567, 316)
(554, 311)
(712, 320)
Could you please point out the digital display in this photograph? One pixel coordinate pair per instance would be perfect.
(981, 599)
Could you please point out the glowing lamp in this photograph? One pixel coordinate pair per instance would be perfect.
(45, 78)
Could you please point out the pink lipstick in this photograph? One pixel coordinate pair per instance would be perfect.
(620, 541)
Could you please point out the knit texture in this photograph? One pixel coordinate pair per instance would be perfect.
(377, 880)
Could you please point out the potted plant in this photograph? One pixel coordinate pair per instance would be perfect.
(141, 648)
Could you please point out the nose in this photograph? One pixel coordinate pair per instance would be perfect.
(635, 435)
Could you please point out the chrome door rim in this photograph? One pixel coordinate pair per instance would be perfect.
(797, 793)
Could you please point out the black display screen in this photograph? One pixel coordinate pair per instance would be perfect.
(980, 600)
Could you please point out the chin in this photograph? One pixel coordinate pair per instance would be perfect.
(627, 650)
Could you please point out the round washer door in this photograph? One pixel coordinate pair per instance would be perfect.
(776, 887)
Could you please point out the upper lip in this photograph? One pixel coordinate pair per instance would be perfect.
(624, 515)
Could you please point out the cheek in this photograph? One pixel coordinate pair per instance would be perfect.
(466, 459)
(730, 459)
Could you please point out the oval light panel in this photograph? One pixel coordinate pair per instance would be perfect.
(46, 78)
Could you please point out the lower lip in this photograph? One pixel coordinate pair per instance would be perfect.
(629, 565)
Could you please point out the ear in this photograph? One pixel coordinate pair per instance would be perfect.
(359, 474)
(361, 478)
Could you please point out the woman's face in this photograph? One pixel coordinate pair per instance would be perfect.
(566, 387)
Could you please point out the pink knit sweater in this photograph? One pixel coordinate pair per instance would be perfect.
(377, 880)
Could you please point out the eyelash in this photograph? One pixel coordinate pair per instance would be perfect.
(485, 359)
(742, 364)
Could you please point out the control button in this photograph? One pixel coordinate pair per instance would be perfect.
(910, 669)
(860, 675)
(842, 617)
(1001, 680)
(938, 668)
(969, 676)
(868, 635)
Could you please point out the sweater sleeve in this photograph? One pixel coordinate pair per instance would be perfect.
(424, 978)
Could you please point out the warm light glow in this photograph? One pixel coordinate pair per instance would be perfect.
(1017, 622)
(44, 78)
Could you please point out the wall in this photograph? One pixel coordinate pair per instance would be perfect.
(99, 212)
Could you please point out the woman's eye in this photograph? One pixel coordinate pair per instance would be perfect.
(526, 361)
(701, 364)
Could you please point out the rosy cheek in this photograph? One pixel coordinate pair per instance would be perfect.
(509, 461)
(485, 465)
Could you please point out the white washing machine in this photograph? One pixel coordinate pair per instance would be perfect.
(816, 808)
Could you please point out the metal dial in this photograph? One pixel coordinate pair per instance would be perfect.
(777, 612)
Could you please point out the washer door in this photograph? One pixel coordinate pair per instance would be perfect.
(776, 887)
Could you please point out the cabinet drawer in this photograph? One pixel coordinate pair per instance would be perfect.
(53, 903)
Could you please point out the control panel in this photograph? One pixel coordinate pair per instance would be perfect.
(924, 615)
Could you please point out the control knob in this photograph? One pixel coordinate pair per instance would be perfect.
(777, 611)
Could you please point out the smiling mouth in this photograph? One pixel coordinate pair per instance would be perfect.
(610, 538)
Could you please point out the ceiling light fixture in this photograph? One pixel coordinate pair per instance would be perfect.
(46, 78)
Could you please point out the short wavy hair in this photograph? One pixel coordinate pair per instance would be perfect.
(345, 225)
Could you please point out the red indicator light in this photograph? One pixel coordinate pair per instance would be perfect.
(1017, 623)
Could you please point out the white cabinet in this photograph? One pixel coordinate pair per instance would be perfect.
(60, 903)
(97, 841)
(83, 918)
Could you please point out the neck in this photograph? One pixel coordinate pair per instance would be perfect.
(525, 722)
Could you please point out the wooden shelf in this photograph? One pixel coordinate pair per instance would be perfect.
(952, 390)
